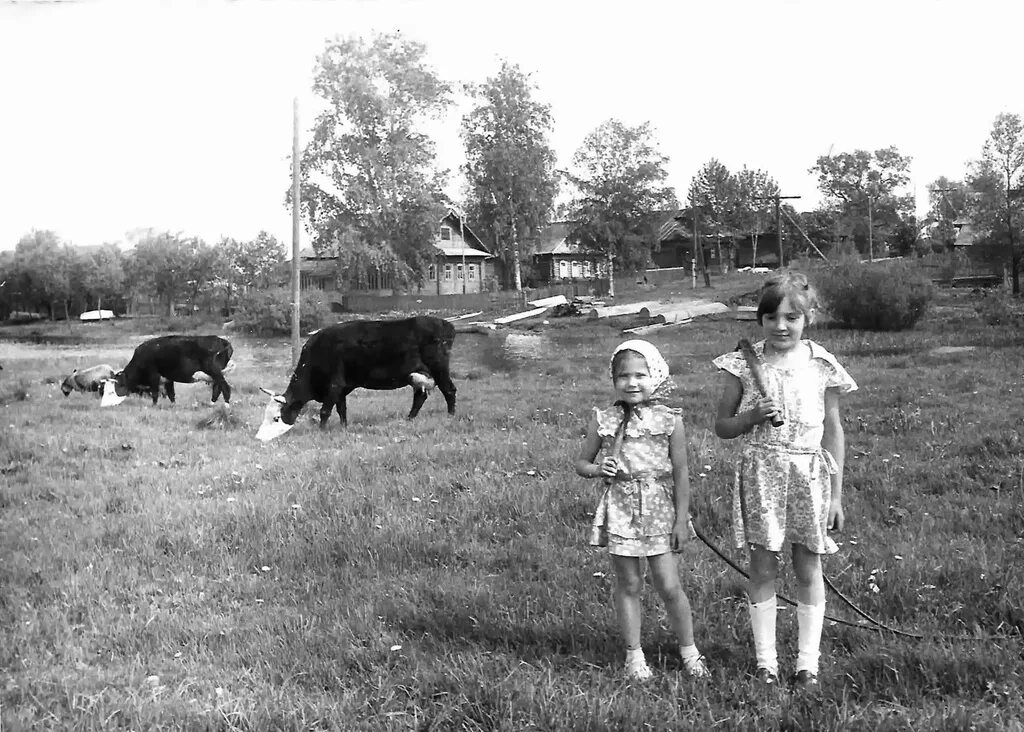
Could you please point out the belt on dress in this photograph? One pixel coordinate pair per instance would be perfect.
(831, 466)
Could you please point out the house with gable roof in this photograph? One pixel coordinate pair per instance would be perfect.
(558, 258)
(462, 265)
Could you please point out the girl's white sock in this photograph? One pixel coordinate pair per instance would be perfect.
(762, 622)
(635, 655)
(810, 619)
(689, 654)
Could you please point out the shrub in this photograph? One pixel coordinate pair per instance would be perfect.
(890, 296)
(998, 308)
(269, 312)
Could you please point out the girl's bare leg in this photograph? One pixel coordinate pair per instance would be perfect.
(677, 604)
(628, 585)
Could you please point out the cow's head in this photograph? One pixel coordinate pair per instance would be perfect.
(68, 385)
(277, 418)
(115, 390)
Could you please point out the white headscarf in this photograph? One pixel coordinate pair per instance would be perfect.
(656, 365)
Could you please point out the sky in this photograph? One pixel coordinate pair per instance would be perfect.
(178, 115)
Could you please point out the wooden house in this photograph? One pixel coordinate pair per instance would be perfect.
(983, 254)
(557, 258)
(673, 245)
(463, 265)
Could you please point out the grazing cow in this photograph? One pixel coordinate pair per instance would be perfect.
(90, 379)
(368, 354)
(174, 358)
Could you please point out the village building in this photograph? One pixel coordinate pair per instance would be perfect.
(461, 265)
(722, 249)
(559, 259)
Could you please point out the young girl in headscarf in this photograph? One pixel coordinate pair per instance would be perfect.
(644, 510)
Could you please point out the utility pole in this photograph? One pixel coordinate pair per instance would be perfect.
(778, 219)
(462, 238)
(296, 310)
(945, 205)
(1011, 194)
(698, 250)
(871, 232)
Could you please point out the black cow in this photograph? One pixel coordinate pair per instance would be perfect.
(185, 359)
(368, 354)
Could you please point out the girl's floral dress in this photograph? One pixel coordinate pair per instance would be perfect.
(636, 512)
(782, 487)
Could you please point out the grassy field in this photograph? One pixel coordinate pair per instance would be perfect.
(434, 575)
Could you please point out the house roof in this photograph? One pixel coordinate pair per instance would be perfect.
(552, 239)
(965, 236)
(458, 222)
(461, 251)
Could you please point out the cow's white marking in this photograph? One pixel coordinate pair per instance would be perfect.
(272, 425)
(110, 396)
(421, 381)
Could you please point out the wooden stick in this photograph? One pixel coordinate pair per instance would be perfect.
(620, 433)
(757, 371)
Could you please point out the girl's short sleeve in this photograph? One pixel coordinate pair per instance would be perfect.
(732, 362)
(607, 421)
(838, 378)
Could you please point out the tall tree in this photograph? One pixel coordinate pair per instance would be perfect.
(102, 275)
(510, 165)
(753, 211)
(1003, 160)
(160, 265)
(713, 198)
(369, 172)
(867, 188)
(47, 264)
(619, 176)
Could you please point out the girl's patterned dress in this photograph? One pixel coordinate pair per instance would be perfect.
(636, 512)
(782, 487)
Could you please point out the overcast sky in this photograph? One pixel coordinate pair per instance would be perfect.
(177, 115)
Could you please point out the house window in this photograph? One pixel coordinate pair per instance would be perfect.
(588, 269)
(432, 272)
(448, 273)
(472, 272)
(577, 270)
(458, 271)
(563, 269)
(446, 233)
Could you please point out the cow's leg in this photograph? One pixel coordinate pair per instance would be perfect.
(337, 390)
(325, 412)
(220, 384)
(342, 405)
(446, 386)
(335, 399)
(168, 390)
(419, 396)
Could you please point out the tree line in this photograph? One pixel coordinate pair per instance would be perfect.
(45, 275)
(372, 193)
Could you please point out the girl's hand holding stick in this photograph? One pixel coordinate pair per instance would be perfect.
(610, 464)
(756, 366)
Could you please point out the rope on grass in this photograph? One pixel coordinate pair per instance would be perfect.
(877, 624)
